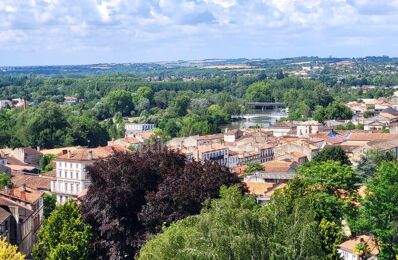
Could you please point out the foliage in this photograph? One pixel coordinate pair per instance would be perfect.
(49, 203)
(9, 252)
(259, 92)
(134, 194)
(64, 235)
(234, 227)
(45, 162)
(334, 153)
(253, 167)
(334, 111)
(380, 211)
(370, 161)
(5, 180)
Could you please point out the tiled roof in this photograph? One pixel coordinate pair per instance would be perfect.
(371, 136)
(58, 151)
(258, 188)
(37, 182)
(278, 166)
(29, 195)
(83, 154)
(350, 244)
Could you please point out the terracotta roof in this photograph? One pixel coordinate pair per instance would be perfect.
(4, 214)
(278, 166)
(258, 188)
(83, 154)
(57, 151)
(350, 244)
(383, 145)
(29, 195)
(37, 182)
(371, 136)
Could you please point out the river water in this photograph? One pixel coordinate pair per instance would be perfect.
(255, 118)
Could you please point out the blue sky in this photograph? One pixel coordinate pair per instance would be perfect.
(40, 32)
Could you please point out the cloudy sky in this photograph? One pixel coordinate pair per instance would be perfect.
(39, 32)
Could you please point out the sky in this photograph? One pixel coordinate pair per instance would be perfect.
(55, 32)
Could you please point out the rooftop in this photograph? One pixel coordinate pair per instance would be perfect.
(88, 154)
(349, 245)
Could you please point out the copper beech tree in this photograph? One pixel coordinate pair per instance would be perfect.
(132, 195)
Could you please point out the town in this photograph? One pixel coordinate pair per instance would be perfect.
(266, 158)
(198, 129)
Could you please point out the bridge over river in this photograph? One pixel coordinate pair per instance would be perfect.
(265, 105)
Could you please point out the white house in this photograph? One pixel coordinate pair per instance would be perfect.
(304, 129)
(348, 250)
(71, 175)
(131, 128)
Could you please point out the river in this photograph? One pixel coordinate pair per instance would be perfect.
(255, 118)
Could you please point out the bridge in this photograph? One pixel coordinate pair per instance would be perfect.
(265, 105)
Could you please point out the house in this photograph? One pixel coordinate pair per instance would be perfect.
(349, 250)
(376, 122)
(131, 128)
(71, 175)
(306, 128)
(26, 155)
(275, 175)
(70, 100)
(297, 146)
(213, 152)
(37, 182)
(24, 218)
(282, 128)
(231, 135)
(131, 141)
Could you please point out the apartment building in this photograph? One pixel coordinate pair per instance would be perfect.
(71, 174)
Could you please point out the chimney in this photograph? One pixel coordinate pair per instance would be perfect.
(22, 194)
(38, 148)
(226, 130)
(68, 154)
(64, 152)
(90, 154)
(23, 187)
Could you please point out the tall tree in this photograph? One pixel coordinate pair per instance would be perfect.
(235, 227)
(64, 235)
(333, 153)
(380, 211)
(127, 188)
(370, 161)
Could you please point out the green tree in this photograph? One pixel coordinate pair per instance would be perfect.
(5, 180)
(44, 126)
(49, 203)
(119, 101)
(259, 92)
(45, 162)
(334, 153)
(64, 235)
(380, 211)
(235, 227)
(253, 167)
(370, 161)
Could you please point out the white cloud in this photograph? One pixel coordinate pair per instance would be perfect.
(201, 26)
